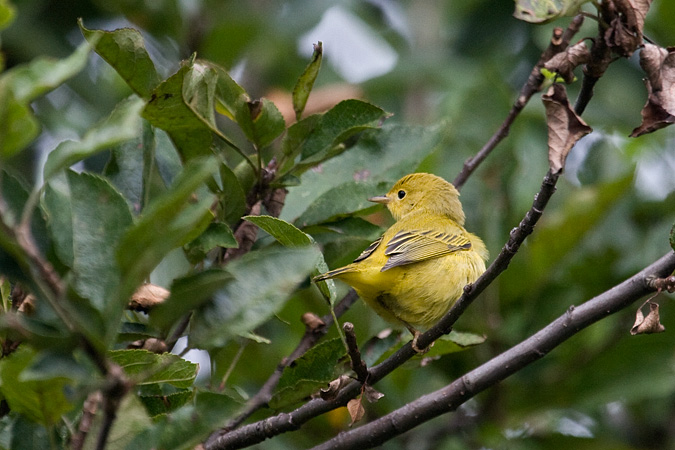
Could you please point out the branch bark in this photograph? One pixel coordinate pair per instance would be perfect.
(502, 366)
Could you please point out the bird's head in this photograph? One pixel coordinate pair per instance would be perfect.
(423, 192)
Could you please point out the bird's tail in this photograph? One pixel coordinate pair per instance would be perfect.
(332, 273)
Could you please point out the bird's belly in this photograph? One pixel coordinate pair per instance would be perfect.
(419, 294)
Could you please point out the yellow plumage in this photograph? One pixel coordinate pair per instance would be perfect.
(417, 270)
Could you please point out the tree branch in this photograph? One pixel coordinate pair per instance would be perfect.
(502, 366)
(559, 42)
(259, 431)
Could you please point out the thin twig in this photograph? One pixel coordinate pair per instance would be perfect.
(358, 365)
(117, 386)
(309, 339)
(559, 42)
(88, 413)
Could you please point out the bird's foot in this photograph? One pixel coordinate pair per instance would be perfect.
(421, 351)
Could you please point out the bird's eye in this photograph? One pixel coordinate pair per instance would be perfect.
(401, 194)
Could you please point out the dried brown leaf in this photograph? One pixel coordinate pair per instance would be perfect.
(565, 62)
(371, 394)
(312, 321)
(650, 324)
(356, 410)
(624, 34)
(333, 388)
(147, 296)
(659, 111)
(27, 305)
(565, 127)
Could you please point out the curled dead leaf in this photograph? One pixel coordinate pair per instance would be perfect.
(153, 345)
(147, 296)
(565, 62)
(27, 305)
(650, 324)
(565, 127)
(371, 394)
(356, 410)
(624, 34)
(659, 111)
(312, 321)
(333, 388)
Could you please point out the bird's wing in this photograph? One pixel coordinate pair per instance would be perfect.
(368, 251)
(407, 247)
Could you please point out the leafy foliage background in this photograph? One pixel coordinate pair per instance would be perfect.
(459, 68)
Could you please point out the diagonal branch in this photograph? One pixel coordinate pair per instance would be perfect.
(272, 426)
(502, 366)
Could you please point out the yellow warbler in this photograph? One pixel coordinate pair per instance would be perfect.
(416, 271)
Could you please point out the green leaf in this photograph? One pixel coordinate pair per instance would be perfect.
(188, 426)
(150, 368)
(167, 110)
(15, 194)
(165, 403)
(125, 51)
(233, 196)
(87, 218)
(261, 283)
(306, 81)
(341, 201)
(544, 11)
(188, 293)
(184, 106)
(314, 370)
(231, 97)
(672, 237)
(170, 221)
(316, 137)
(380, 346)
(123, 124)
(47, 365)
(382, 155)
(199, 91)
(216, 235)
(261, 122)
(42, 75)
(454, 342)
(289, 236)
(42, 401)
(21, 85)
(131, 165)
(18, 126)
(285, 233)
(24, 434)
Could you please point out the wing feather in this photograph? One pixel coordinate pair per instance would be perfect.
(408, 247)
(369, 250)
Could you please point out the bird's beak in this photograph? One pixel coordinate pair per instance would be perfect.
(380, 199)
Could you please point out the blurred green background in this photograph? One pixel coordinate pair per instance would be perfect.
(454, 66)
